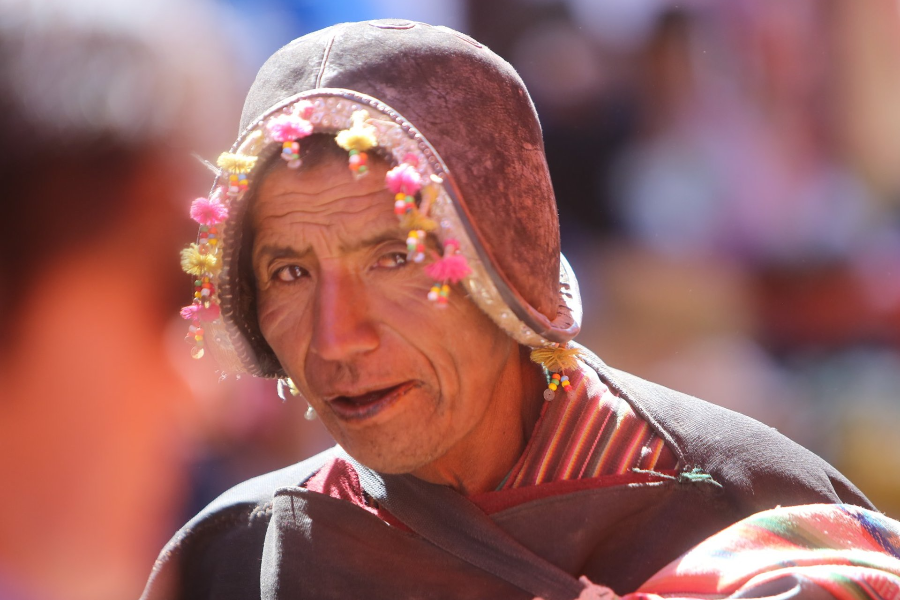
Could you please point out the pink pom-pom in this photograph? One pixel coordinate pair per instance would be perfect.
(189, 312)
(450, 268)
(286, 128)
(208, 211)
(403, 179)
(203, 313)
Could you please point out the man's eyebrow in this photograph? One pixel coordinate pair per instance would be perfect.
(274, 251)
(385, 236)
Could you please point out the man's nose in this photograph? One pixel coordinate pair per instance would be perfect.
(343, 327)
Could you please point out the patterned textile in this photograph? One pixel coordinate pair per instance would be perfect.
(588, 432)
(801, 552)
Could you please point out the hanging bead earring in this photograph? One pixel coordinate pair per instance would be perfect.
(282, 386)
(288, 383)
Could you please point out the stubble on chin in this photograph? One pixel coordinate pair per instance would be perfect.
(397, 447)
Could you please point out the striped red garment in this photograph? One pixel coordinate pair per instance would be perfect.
(588, 432)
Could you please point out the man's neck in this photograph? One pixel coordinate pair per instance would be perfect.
(480, 461)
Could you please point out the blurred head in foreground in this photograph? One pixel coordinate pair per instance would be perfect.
(99, 107)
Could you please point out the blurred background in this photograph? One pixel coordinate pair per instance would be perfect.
(728, 177)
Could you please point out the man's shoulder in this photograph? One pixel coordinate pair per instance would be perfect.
(755, 463)
(257, 493)
(222, 536)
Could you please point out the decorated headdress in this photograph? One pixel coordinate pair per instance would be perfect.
(467, 167)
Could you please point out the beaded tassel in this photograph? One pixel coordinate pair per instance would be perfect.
(290, 152)
(404, 204)
(356, 140)
(450, 268)
(415, 245)
(201, 260)
(555, 381)
(204, 308)
(555, 359)
(439, 293)
(404, 182)
(359, 162)
(237, 183)
(237, 166)
(287, 129)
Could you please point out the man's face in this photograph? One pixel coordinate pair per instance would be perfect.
(396, 380)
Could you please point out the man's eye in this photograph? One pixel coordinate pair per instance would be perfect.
(391, 260)
(289, 273)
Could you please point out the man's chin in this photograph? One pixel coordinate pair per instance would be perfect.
(386, 460)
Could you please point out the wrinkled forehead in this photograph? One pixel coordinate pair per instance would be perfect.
(324, 199)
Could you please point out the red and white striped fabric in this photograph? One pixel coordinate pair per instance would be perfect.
(588, 432)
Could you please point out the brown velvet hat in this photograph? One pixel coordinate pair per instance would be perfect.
(462, 116)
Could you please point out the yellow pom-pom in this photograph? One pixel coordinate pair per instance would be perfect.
(416, 220)
(195, 263)
(556, 358)
(360, 136)
(357, 138)
(236, 163)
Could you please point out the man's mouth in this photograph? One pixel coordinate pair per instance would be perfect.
(363, 406)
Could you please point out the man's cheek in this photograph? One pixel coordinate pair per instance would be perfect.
(283, 327)
(270, 320)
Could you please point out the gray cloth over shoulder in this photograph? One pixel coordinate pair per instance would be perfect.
(270, 538)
